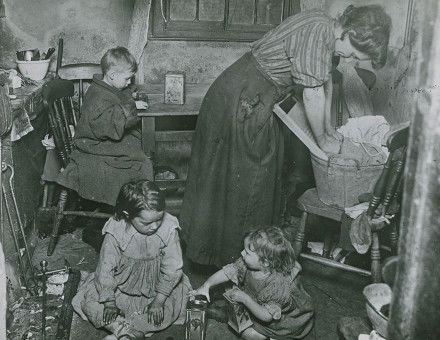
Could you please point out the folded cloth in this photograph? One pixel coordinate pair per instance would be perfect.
(48, 142)
(356, 210)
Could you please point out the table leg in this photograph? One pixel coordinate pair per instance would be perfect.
(148, 136)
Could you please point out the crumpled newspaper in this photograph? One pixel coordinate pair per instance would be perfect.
(21, 124)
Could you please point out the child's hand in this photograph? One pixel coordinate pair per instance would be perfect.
(155, 310)
(110, 312)
(203, 290)
(237, 295)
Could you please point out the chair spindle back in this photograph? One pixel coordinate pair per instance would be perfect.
(57, 98)
(388, 187)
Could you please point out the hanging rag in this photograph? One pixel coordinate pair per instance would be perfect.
(356, 94)
(360, 233)
(138, 37)
(361, 230)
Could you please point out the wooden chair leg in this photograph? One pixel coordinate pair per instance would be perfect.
(375, 258)
(328, 242)
(57, 221)
(45, 194)
(299, 237)
(393, 238)
(50, 193)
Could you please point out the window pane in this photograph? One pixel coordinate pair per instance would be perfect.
(269, 11)
(212, 10)
(182, 9)
(241, 12)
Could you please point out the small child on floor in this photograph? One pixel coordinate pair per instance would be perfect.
(269, 287)
(138, 287)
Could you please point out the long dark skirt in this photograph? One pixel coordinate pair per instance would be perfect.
(237, 154)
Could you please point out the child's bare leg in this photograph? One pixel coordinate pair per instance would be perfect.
(252, 334)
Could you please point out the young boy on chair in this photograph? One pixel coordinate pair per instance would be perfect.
(107, 144)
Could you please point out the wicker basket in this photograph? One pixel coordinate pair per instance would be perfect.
(340, 181)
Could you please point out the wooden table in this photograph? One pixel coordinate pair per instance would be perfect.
(193, 99)
(194, 94)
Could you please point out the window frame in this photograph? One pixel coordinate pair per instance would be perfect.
(162, 28)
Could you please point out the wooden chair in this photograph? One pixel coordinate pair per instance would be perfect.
(385, 201)
(58, 102)
(81, 73)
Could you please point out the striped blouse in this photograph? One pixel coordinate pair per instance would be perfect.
(299, 50)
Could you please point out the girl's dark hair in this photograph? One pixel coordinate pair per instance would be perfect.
(368, 28)
(118, 57)
(136, 196)
(272, 246)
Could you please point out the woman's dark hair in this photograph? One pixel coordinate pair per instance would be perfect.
(136, 196)
(368, 28)
(272, 246)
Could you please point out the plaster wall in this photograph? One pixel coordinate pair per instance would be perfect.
(88, 27)
(202, 62)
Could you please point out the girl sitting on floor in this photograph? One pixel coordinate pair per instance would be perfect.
(269, 287)
(138, 287)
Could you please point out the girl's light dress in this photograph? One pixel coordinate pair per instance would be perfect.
(283, 296)
(132, 269)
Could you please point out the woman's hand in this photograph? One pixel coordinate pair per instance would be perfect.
(110, 312)
(155, 310)
(203, 290)
(332, 132)
(329, 144)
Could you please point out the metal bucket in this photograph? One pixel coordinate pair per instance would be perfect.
(340, 181)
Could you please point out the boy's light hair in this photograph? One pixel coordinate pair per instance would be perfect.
(119, 58)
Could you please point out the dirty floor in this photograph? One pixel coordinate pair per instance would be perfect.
(335, 293)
